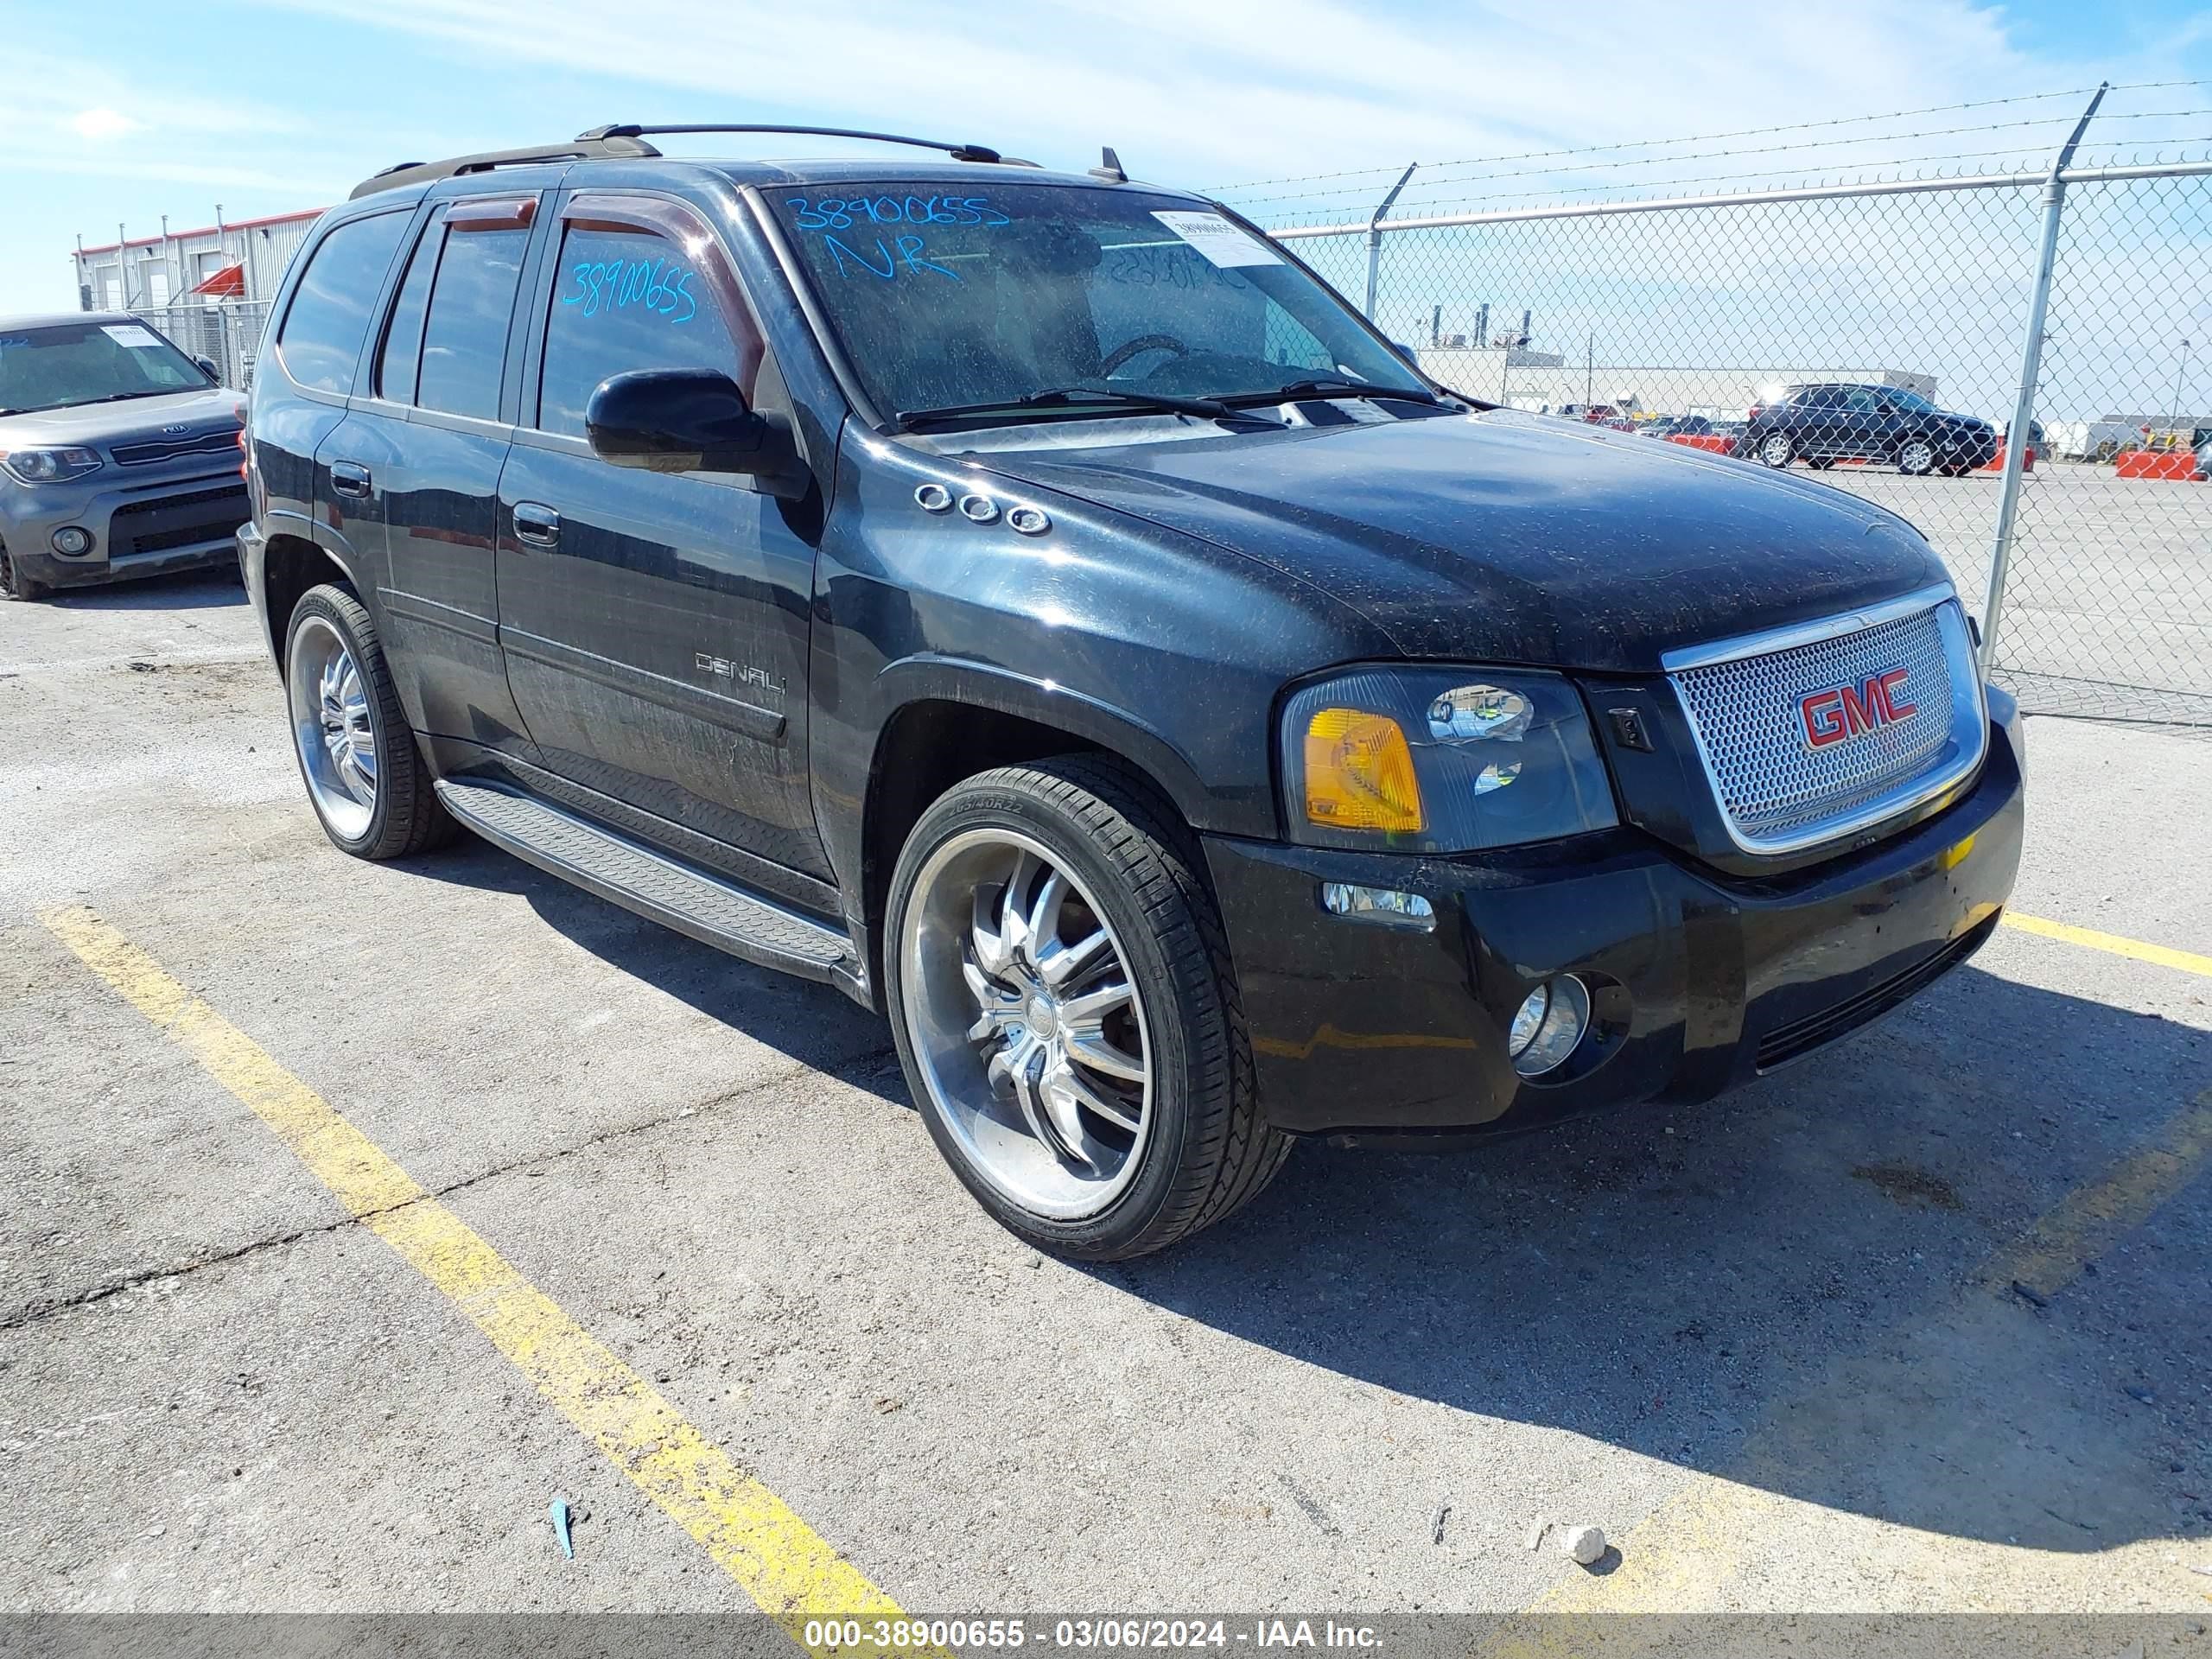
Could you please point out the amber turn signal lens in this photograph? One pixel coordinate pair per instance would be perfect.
(1359, 772)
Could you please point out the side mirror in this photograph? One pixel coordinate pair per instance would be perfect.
(207, 364)
(679, 421)
(1405, 352)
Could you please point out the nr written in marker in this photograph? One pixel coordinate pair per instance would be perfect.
(905, 252)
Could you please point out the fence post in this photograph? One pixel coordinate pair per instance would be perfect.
(1374, 239)
(2024, 406)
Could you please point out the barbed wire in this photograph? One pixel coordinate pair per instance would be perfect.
(1712, 137)
(2029, 170)
(1436, 177)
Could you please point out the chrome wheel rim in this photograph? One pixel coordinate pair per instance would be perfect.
(1776, 451)
(1916, 457)
(1028, 1026)
(331, 727)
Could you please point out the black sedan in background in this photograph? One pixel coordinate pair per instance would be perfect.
(1823, 424)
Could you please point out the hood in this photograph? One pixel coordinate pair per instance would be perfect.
(1510, 539)
(133, 420)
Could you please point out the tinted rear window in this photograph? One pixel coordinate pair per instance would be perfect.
(472, 302)
(402, 335)
(329, 315)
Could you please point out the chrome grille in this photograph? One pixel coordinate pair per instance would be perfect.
(1779, 792)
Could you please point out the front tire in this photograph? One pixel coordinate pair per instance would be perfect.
(15, 585)
(365, 777)
(1916, 457)
(1062, 998)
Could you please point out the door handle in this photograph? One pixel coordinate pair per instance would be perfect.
(538, 525)
(349, 478)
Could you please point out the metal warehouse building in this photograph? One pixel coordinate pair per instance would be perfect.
(245, 261)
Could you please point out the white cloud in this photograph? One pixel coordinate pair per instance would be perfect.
(100, 122)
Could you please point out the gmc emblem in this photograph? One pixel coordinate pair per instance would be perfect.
(1847, 710)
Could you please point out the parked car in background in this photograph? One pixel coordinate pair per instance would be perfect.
(1668, 426)
(1607, 415)
(2204, 459)
(118, 454)
(1823, 424)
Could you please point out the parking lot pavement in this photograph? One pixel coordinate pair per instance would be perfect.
(1771, 1345)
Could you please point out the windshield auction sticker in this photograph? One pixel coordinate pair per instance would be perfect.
(1221, 242)
(130, 334)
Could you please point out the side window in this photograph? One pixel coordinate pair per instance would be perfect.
(623, 300)
(465, 333)
(1862, 403)
(1822, 398)
(323, 328)
(402, 335)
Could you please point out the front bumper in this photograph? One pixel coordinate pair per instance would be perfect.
(140, 526)
(1702, 981)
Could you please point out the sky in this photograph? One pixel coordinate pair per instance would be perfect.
(135, 110)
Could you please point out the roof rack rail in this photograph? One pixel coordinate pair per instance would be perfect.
(957, 152)
(606, 143)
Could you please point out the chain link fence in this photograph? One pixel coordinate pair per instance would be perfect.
(1706, 311)
(227, 335)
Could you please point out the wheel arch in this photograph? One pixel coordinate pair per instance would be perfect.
(948, 720)
(290, 565)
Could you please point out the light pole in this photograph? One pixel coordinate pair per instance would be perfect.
(2180, 369)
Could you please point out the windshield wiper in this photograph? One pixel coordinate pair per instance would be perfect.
(150, 392)
(1078, 397)
(1333, 386)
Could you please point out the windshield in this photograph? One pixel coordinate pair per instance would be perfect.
(944, 301)
(61, 364)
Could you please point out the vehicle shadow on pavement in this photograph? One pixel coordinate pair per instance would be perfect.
(186, 590)
(810, 1022)
(1787, 1287)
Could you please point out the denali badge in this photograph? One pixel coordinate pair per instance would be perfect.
(1845, 711)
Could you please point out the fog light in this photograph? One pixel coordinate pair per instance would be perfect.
(1547, 1025)
(1384, 904)
(70, 540)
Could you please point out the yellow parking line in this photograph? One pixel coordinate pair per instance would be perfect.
(1678, 1556)
(2165, 955)
(783, 1563)
(2089, 1221)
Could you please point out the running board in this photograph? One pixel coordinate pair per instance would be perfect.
(656, 886)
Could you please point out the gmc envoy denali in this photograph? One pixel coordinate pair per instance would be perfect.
(1038, 607)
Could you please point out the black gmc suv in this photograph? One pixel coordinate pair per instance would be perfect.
(1038, 607)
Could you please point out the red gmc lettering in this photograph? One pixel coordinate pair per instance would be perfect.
(1823, 718)
(1830, 716)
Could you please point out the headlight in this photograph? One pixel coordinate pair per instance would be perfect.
(47, 466)
(1440, 761)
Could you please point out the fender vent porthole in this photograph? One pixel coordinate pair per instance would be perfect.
(979, 509)
(933, 498)
(1030, 521)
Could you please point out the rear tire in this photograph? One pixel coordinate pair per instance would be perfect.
(1063, 1004)
(1776, 449)
(365, 777)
